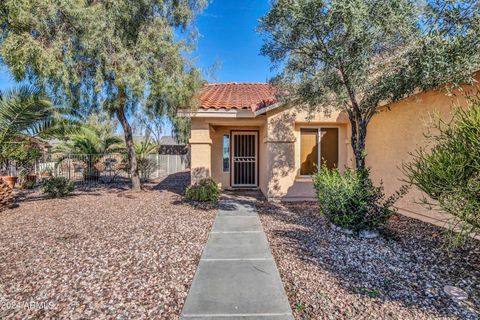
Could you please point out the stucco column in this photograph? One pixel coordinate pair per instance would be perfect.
(201, 151)
(280, 144)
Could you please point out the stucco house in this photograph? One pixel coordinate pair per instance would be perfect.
(243, 138)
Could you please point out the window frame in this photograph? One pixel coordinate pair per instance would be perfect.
(229, 145)
(319, 156)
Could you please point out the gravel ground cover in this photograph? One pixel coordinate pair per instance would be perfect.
(101, 254)
(401, 275)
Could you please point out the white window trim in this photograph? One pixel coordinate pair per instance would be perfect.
(229, 152)
(318, 128)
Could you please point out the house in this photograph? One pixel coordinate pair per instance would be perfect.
(243, 138)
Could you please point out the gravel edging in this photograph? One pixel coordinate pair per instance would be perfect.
(103, 253)
(400, 275)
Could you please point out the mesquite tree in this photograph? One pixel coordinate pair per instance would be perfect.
(355, 55)
(117, 55)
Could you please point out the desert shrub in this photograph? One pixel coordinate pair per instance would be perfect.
(448, 170)
(205, 190)
(351, 201)
(28, 184)
(57, 187)
(146, 167)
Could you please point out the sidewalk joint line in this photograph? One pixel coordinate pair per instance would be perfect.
(236, 315)
(235, 231)
(238, 259)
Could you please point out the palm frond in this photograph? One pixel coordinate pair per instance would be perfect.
(27, 110)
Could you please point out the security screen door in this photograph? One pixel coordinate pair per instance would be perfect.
(244, 158)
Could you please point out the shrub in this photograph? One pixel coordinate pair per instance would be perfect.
(351, 201)
(205, 190)
(58, 187)
(449, 170)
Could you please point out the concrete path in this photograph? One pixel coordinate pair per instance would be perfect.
(237, 277)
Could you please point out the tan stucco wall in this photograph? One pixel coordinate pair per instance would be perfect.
(217, 151)
(283, 150)
(201, 145)
(393, 134)
(206, 141)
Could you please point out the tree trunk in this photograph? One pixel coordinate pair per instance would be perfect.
(358, 142)
(358, 123)
(132, 157)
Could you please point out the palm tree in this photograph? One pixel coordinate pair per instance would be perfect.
(145, 165)
(26, 112)
(91, 144)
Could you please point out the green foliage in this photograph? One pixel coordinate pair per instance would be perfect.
(91, 143)
(372, 293)
(58, 187)
(28, 184)
(449, 170)
(351, 201)
(205, 190)
(96, 137)
(146, 165)
(300, 307)
(353, 55)
(23, 153)
(27, 112)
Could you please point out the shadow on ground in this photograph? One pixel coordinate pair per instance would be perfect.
(408, 264)
(177, 183)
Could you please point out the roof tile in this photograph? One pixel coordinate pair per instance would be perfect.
(233, 95)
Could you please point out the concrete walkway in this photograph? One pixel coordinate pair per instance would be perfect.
(237, 277)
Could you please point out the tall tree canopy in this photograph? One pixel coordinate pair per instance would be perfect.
(355, 55)
(111, 54)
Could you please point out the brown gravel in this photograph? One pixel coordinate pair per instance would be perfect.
(401, 275)
(105, 253)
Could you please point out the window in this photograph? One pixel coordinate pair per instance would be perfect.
(308, 151)
(226, 153)
(318, 144)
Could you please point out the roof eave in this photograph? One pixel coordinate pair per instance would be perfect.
(217, 113)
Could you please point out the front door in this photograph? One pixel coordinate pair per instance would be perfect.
(244, 159)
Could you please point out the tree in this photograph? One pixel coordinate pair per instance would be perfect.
(356, 55)
(114, 55)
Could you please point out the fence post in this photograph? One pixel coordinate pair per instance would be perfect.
(157, 167)
(176, 164)
(168, 165)
(69, 163)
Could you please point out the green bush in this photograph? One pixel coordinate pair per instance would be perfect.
(449, 170)
(58, 187)
(205, 190)
(351, 201)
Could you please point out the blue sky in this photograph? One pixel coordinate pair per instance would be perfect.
(228, 35)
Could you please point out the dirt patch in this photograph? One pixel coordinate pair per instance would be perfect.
(96, 254)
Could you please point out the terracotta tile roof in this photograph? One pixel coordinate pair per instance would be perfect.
(233, 95)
